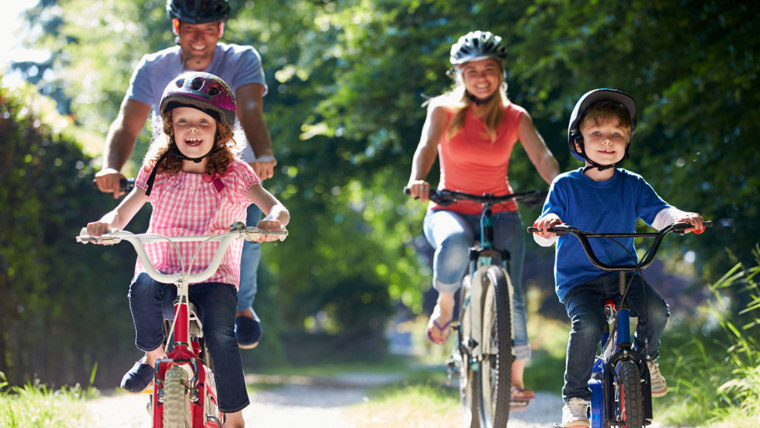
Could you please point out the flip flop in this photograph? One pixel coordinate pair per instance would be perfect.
(520, 398)
(443, 329)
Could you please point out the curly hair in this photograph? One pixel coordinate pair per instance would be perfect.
(217, 162)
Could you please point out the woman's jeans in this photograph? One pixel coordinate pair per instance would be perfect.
(584, 304)
(452, 234)
(151, 301)
(249, 264)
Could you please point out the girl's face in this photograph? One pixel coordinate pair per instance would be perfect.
(481, 78)
(194, 131)
(605, 140)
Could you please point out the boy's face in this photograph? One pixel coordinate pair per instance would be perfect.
(194, 131)
(605, 140)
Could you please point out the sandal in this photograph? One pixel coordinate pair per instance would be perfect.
(444, 330)
(520, 398)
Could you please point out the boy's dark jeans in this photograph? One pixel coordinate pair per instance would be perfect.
(150, 301)
(584, 308)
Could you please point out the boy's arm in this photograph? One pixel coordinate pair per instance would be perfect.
(670, 215)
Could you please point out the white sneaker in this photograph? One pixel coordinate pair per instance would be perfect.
(657, 381)
(575, 413)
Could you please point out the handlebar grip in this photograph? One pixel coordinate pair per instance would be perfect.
(558, 230)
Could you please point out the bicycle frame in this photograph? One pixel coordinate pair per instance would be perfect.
(197, 379)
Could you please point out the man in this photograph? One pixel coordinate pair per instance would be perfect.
(198, 25)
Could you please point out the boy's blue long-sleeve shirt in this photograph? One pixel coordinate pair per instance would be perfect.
(612, 206)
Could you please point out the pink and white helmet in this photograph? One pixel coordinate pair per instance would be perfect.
(204, 91)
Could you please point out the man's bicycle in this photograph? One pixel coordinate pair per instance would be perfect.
(620, 384)
(484, 351)
(184, 391)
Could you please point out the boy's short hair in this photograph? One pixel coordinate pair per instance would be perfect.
(605, 110)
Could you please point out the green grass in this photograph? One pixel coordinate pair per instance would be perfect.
(37, 406)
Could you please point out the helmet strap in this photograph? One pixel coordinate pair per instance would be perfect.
(173, 150)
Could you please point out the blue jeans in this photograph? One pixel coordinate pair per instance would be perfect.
(452, 234)
(249, 264)
(151, 301)
(584, 304)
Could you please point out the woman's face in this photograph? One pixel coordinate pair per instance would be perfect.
(481, 78)
(194, 131)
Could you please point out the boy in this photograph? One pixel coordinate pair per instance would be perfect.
(602, 198)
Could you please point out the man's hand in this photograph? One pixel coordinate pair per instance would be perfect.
(264, 168)
(108, 181)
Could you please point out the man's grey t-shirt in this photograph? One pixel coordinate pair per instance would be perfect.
(235, 64)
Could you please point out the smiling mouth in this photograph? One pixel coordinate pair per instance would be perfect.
(193, 142)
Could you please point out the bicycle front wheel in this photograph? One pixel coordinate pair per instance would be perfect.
(628, 402)
(176, 402)
(497, 347)
(469, 381)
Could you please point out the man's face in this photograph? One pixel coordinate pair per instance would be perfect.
(198, 42)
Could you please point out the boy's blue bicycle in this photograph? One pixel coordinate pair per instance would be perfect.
(620, 384)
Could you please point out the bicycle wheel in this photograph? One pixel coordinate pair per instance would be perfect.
(176, 404)
(469, 384)
(628, 403)
(497, 347)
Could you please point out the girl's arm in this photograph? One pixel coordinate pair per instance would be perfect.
(277, 216)
(426, 152)
(120, 216)
(536, 148)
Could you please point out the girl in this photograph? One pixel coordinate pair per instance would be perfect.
(472, 130)
(196, 186)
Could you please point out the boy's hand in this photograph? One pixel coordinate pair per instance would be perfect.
(419, 189)
(695, 220)
(271, 225)
(544, 223)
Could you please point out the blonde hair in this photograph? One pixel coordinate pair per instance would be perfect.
(216, 163)
(458, 101)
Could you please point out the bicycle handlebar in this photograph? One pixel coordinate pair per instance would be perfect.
(237, 230)
(583, 237)
(446, 197)
(125, 184)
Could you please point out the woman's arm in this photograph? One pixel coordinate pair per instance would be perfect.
(427, 151)
(535, 147)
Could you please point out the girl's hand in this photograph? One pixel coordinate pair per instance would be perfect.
(271, 225)
(695, 220)
(544, 223)
(98, 228)
(419, 189)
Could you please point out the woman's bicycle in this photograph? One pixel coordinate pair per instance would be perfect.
(184, 391)
(484, 351)
(620, 384)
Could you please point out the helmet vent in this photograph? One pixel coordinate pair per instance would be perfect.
(196, 84)
(214, 90)
(180, 83)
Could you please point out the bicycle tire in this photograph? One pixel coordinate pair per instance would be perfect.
(469, 392)
(628, 406)
(176, 401)
(496, 369)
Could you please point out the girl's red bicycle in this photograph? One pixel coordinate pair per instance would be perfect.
(184, 391)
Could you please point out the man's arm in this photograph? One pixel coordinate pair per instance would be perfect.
(250, 108)
(120, 141)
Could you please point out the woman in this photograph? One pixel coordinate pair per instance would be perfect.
(472, 129)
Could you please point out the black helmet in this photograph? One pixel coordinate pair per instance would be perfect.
(477, 45)
(198, 11)
(579, 111)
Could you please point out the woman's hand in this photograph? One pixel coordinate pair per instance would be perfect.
(695, 220)
(419, 189)
(544, 223)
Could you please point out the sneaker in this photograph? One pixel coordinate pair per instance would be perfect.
(575, 413)
(138, 377)
(657, 381)
(248, 331)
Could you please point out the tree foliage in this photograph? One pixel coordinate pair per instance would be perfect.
(347, 79)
